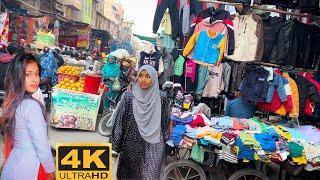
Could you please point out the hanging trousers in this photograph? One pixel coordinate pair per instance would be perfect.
(174, 7)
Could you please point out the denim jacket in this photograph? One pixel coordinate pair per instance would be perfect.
(277, 83)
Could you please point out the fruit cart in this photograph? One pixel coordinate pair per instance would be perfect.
(75, 100)
(74, 110)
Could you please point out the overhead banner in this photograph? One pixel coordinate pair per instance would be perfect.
(45, 40)
(4, 28)
(23, 27)
(87, 8)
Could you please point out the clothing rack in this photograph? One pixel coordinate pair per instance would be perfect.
(279, 66)
(220, 2)
(261, 8)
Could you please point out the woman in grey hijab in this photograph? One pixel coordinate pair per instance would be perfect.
(141, 128)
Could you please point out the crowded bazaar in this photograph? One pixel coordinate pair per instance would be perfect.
(217, 90)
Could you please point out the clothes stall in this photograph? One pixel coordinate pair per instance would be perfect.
(270, 55)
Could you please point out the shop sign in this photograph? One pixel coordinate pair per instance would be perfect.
(75, 110)
(87, 8)
(45, 39)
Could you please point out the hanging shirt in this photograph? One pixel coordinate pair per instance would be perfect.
(178, 70)
(190, 75)
(166, 42)
(153, 58)
(178, 66)
(209, 47)
(215, 83)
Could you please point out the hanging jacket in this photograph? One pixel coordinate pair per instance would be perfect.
(226, 69)
(278, 84)
(272, 27)
(294, 97)
(217, 26)
(310, 107)
(168, 65)
(255, 84)
(306, 90)
(246, 40)
(281, 101)
(150, 59)
(209, 47)
(219, 14)
(287, 42)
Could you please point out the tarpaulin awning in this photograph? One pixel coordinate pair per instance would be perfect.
(146, 38)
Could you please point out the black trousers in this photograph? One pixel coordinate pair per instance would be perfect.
(173, 6)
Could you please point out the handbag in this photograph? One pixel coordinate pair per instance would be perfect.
(116, 85)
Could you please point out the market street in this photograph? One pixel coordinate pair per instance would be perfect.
(160, 89)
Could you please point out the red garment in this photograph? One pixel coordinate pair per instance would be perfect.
(5, 58)
(7, 149)
(309, 109)
(198, 121)
(273, 106)
(196, 20)
(288, 105)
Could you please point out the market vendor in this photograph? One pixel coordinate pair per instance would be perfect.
(239, 107)
(110, 71)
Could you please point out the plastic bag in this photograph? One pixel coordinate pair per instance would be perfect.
(116, 85)
(197, 153)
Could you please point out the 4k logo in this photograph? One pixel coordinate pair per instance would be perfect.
(83, 161)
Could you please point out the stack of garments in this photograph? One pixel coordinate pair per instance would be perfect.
(249, 139)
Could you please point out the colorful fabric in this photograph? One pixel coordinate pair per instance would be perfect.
(296, 134)
(262, 125)
(249, 140)
(206, 131)
(236, 124)
(282, 131)
(177, 134)
(178, 66)
(244, 152)
(222, 122)
(111, 69)
(209, 47)
(296, 150)
(300, 160)
(266, 141)
(282, 146)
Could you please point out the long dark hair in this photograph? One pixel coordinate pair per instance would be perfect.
(15, 90)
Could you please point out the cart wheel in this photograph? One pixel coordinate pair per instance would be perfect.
(187, 169)
(248, 174)
(105, 124)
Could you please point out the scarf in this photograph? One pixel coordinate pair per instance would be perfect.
(111, 69)
(147, 107)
